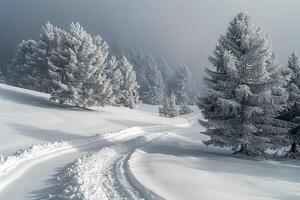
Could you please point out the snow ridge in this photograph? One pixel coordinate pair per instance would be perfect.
(15, 165)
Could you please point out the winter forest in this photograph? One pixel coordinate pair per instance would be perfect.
(81, 118)
(78, 69)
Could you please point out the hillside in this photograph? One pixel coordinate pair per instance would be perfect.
(58, 152)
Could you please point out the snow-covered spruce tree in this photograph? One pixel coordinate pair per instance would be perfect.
(155, 93)
(292, 112)
(115, 77)
(169, 107)
(129, 95)
(83, 81)
(139, 60)
(165, 68)
(32, 66)
(293, 86)
(243, 101)
(191, 91)
(149, 68)
(98, 87)
(178, 85)
(21, 71)
(2, 77)
(44, 56)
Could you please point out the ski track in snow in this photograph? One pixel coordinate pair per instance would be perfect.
(101, 175)
(14, 166)
(105, 174)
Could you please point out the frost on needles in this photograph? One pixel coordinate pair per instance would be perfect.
(246, 92)
(75, 67)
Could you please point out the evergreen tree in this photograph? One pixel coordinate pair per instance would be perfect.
(44, 49)
(21, 71)
(243, 98)
(32, 66)
(115, 76)
(293, 87)
(165, 68)
(169, 107)
(152, 74)
(155, 93)
(292, 112)
(178, 85)
(98, 86)
(129, 87)
(184, 109)
(2, 77)
(191, 91)
(139, 61)
(83, 81)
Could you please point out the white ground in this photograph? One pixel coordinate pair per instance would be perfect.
(124, 154)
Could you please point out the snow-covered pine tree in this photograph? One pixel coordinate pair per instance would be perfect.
(165, 68)
(129, 87)
(115, 76)
(98, 86)
(293, 87)
(32, 66)
(292, 112)
(241, 105)
(169, 107)
(139, 60)
(2, 77)
(44, 52)
(191, 91)
(21, 71)
(178, 85)
(83, 80)
(155, 93)
(149, 68)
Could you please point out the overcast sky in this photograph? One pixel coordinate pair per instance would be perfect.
(183, 31)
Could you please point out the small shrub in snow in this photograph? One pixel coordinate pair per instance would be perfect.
(184, 109)
(169, 108)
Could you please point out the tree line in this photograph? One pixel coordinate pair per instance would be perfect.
(79, 69)
(74, 67)
(253, 102)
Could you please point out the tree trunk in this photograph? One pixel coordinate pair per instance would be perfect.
(294, 148)
(294, 151)
(244, 149)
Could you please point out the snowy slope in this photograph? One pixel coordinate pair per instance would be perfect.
(28, 118)
(178, 166)
(118, 153)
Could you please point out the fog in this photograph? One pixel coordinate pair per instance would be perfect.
(183, 31)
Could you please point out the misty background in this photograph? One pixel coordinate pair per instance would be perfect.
(182, 31)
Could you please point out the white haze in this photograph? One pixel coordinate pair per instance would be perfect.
(183, 31)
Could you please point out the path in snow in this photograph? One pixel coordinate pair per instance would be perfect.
(105, 174)
(115, 152)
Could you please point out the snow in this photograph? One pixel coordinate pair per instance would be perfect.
(179, 166)
(119, 153)
(102, 175)
(28, 118)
